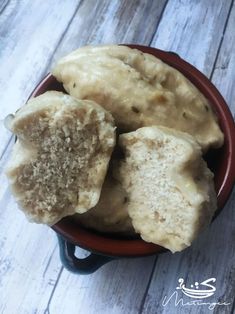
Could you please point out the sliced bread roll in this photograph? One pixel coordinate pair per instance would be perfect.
(171, 191)
(110, 214)
(139, 90)
(60, 159)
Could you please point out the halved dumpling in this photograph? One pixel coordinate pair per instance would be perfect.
(170, 189)
(60, 159)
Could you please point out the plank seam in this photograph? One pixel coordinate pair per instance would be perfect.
(6, 147)
(158, 22)
(61, 38)
(221, 40)
(147, 287)
(4, 6)
(47, 311)
(233, 307)
(49, 261)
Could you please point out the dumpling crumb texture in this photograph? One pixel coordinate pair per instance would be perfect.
(60, 159)
(170, 189)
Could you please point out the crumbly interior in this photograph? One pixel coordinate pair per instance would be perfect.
(171, 192)
(139, 90)
(60, 159)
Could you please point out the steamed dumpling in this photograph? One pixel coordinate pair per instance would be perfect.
(60, 159)
(139, 90)
(170, 189)
(110, 214)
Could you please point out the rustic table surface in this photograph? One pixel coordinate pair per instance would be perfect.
(33, 34)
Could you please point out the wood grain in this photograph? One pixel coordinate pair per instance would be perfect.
(111, 22)
(117, 287)
(194, 30)
(223, 76)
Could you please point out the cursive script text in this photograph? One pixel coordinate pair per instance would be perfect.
(179, 301)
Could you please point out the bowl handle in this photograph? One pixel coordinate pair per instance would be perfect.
(83, 266)
(174, 53)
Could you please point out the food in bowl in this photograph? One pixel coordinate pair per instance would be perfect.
(139, 90)
(60, 158)
(170, 188)
(110, 215)
(164, 98)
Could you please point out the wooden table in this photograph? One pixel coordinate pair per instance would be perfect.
(33, 34)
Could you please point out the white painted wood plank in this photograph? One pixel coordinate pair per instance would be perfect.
(3, 4)
(224, 76)
(224, 79)
(193, 29)
(29, 33)
(213, 254)
(111, 22)
(7, 7)
(115, 288)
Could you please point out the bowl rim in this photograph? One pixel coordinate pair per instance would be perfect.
(103, 244)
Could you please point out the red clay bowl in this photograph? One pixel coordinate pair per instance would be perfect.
(221, 162)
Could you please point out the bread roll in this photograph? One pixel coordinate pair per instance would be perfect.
(170, 189)
(60, 159)
(139, 90)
